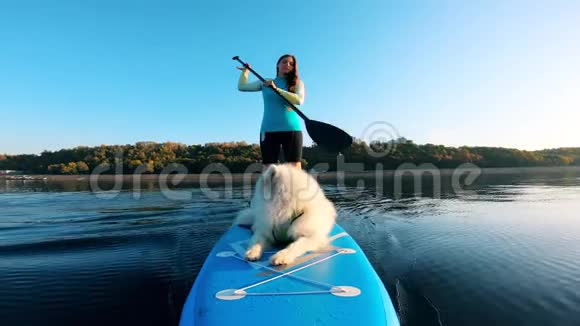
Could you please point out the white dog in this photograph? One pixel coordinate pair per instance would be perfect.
(287, 206)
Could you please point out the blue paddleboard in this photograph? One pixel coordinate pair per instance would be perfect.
(337, 286)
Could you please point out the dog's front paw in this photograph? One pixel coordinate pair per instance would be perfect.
(254, 252)
(283, 257)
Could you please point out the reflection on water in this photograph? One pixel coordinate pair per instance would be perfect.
(504, 250)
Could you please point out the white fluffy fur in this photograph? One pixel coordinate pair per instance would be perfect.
(281, 191)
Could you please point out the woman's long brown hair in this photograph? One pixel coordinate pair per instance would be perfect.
(292, 77)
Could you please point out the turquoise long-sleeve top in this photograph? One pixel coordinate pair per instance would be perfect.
(278, 115)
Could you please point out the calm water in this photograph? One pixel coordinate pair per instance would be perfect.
(507, 252)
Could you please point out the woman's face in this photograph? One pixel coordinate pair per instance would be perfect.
(285, 65)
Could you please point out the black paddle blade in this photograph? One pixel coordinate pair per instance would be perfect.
(328, 136)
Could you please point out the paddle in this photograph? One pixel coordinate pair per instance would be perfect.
(323, 134)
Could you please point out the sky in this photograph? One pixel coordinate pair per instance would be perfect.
(478, 73)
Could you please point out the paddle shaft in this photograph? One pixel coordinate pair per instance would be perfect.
(275, 90)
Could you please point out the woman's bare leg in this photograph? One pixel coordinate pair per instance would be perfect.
(296, 164)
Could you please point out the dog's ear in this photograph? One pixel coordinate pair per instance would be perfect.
(271, 170)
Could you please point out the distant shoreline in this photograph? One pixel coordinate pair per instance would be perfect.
(237, 177)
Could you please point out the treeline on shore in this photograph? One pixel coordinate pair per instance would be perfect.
(151, 157)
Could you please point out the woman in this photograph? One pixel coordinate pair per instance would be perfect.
(280, 124)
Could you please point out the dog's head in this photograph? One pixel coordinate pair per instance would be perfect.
(275, 183)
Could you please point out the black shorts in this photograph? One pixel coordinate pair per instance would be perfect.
(290, 141)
